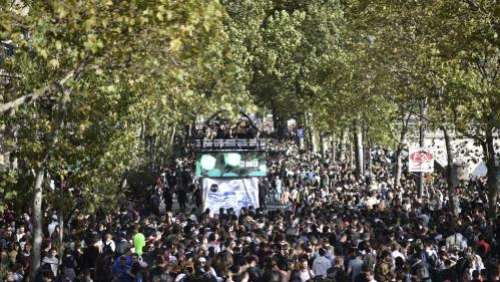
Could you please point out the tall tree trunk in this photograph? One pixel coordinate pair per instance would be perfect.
(492, 174)
(450, 168)
(399, 166)
(278, 123)
(334, 148)
(172, 136)
(358, 147)
(342, 150)
(322, 146)
(37, 223)
(399, 149)
(310, 140)
(61, 235)
(352, 159)
(421, 176)
(369, 158)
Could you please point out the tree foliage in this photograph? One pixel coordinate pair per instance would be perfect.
(92, 89)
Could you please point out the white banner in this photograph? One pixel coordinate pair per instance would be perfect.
(230, 193)
(420, 160)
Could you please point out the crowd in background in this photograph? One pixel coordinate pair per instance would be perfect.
(329, 226)
(222, 129)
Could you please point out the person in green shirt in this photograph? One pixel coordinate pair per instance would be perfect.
(139, 241)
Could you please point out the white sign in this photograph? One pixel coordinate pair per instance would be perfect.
(420, 160)
(230, 193)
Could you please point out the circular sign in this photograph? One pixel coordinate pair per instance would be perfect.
(421, 156)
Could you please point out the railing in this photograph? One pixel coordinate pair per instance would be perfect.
(232, 144)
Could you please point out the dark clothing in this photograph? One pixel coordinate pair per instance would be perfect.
(337, 273)
(121, 270)
(90, 257)
(168, 197)
(182, 198)
(447, 274)
(362, 277)
(104, 266)
(255, 274)
(122, 247)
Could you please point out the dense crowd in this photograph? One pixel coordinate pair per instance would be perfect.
(223, 129)
(332, 227)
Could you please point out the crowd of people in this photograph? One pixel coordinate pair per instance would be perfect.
(223, 129)
(332, 227)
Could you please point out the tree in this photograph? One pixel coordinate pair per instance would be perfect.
(80, 71)
(468, 54)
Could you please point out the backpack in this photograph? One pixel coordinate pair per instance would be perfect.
(107, 249)
(122, 247)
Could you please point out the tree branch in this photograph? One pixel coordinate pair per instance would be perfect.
(49, 89)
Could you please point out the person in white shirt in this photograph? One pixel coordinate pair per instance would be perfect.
(457, 241)
(321, 264)
(52, 225)
(304, 272)
(371, 201)
(396, 253)
(52, 261)
(476, 263)
(20, 233)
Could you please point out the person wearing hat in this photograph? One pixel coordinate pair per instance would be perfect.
(383, 268)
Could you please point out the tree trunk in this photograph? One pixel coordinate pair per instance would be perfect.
(369, 158)
(421, 176)
(61, 235)
(322, 146)
(310, 138)
(450, 168)
(334, 148)
(342, 154)
(352, 159)
(492, 174)
(172, 137)
(278, 124)
(358, 147)
(399, 149)
(37, 223)
(399, 167)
